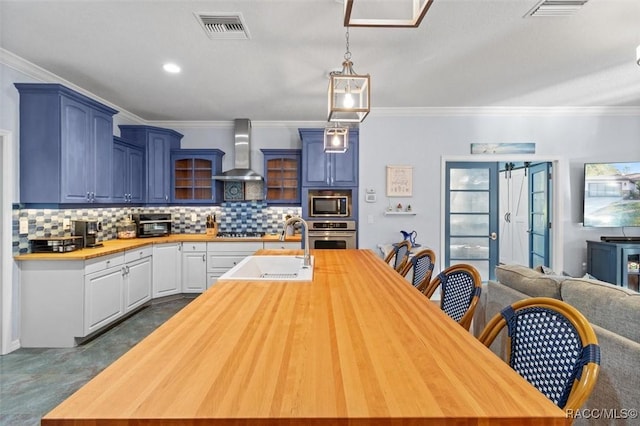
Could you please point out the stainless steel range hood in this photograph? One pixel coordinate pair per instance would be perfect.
(242, 154)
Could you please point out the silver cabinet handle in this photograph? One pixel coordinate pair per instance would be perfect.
(204, 257)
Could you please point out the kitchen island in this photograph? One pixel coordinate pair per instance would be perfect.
(358, 345)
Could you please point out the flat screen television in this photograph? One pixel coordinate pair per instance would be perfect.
(612, 194)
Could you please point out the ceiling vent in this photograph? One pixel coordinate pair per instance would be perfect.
(223, 26)
(556, 8)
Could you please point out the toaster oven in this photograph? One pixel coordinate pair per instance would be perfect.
(152, 224)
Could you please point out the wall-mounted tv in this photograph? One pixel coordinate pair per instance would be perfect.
(612, 194)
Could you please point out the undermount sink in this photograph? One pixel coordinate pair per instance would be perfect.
(271, 268)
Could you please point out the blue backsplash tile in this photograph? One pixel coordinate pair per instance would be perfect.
(233, 216)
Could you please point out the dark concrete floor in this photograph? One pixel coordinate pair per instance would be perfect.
(34, 381)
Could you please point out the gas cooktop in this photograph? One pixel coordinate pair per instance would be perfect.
(250, 234)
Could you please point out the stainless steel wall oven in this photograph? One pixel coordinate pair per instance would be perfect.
(332, 234)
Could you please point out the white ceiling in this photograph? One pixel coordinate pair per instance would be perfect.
(466, 53)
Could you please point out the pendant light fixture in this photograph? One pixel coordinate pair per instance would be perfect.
(348, 92)
(336, 139)
(363, 13)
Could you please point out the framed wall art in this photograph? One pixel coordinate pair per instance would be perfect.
(399, 181)
(504, 148)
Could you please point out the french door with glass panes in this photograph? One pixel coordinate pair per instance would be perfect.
(540, 214)
(471, 216)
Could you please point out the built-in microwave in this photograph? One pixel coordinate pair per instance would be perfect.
(328, 205)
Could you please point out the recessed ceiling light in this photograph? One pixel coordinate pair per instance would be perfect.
(171, 68)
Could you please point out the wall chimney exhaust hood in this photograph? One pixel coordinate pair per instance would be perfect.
(242, 154)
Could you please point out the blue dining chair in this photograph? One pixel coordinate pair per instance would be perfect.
(399, 255)
(421, 265)
(460, 286)
(552, 345)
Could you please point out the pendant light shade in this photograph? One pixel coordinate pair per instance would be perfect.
(336, 139)
(348, 94)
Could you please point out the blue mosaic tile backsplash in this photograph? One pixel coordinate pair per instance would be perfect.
(239, 216)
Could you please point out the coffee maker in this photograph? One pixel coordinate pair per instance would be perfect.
(88, 230)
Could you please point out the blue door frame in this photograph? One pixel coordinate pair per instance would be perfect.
(471, 216)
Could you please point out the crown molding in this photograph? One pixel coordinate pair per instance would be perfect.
(40, 74)
(506, 111)
(229, 123)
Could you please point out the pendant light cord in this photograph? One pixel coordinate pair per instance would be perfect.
(347, 54)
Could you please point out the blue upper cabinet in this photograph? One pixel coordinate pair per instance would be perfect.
(128, 172)
(322, 170)
(65, 146)
(192, 176)
(158, 143)
(282, 176)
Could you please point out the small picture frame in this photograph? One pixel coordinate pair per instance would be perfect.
(399, 181)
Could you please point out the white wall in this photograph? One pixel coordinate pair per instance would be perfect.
(574, 136)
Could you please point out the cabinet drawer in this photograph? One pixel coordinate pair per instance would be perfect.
(222, 263)
(139, 253)
(103, 262)
(229, 248)
(286, 245)
(194, 247)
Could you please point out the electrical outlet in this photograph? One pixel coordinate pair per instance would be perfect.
(66, 224)
(194, 217)
(24, 225)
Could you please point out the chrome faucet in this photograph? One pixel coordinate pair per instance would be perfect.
(291, 221)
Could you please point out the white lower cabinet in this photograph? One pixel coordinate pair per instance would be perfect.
(167, 269)
(103, 290)
(63, 302)
(222, 256)
(137, 277)
(194, 267)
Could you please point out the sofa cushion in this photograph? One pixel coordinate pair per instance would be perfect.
(530, 282)
(612, 307)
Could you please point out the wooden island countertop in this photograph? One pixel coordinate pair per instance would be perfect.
(358, 345)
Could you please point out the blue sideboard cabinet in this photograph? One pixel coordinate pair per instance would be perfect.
(615, 262)
(322, 170)
(192, 174)
(66, 143)
(128, 172)
(158, 143)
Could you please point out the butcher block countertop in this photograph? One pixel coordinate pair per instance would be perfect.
(116, 246)
(358, 345)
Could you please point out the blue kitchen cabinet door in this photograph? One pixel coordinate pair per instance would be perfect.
(65, 146)
(128, 172)
(282, 176)
(158, 143)
(192, 174)
(320, 169)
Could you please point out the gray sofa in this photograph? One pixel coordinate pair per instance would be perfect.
(614, 313)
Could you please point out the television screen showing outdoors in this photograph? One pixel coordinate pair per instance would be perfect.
(612, 194)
